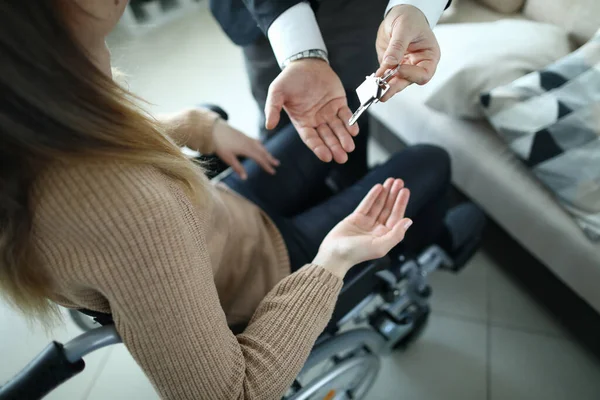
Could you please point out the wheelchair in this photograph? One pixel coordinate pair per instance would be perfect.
(383, 306)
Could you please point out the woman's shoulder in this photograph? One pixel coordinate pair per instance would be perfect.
(94, 208)
(81, 182)
(93, 219)
(97, 195)
(94, 175)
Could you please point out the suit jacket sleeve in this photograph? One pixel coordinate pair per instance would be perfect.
(267, 11)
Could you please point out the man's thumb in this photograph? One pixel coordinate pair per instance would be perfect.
(395, 51)
(273, 107)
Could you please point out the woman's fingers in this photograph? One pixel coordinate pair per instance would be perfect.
(272, 160)
(367, 202)
(380, 202)
(397, 185)
(392, 237)
(231, 160)
(399, 208)
(264, 163)
(261, 156)
(265, 153)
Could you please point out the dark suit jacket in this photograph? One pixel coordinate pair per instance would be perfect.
(245, 20)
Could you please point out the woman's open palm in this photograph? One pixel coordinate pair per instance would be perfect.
(374, 228)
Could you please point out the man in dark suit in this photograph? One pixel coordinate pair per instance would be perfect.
(308, 57)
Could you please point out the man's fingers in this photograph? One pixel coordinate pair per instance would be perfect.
(419, 74)
(345, 114)
(333, 143)
(313, 141)
(273, 107)
(408, 74)
(382, 69)
(396, 86)
(367, 202)
(339, 128)
(399, 208)
(396, 49)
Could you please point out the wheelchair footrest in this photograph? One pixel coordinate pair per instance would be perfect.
(462, 257)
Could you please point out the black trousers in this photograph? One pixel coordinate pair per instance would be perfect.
(349, 28)
(292, 200)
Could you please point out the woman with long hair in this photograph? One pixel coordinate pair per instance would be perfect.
(100, 210)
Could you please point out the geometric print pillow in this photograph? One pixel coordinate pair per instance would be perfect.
(551, 120)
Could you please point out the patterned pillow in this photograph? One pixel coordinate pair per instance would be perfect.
(551, 120)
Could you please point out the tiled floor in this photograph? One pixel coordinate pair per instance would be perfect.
(487, 338)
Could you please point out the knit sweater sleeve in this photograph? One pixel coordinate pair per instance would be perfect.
(142, 247)
(192, 128)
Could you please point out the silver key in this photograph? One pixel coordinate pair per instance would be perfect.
(370, 92)
(360, 111)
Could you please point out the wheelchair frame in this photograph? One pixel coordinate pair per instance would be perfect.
(398, 293)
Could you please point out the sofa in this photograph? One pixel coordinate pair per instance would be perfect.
(484, 168)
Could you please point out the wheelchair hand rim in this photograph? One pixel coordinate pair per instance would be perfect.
(368, 362)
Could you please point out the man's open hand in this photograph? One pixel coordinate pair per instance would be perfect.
(405, 38)
(314, 98)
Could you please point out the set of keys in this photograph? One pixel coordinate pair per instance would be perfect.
(371, 91)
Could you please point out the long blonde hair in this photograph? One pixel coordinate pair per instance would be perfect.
(56, 105)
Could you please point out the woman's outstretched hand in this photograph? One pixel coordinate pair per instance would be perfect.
(370, 232)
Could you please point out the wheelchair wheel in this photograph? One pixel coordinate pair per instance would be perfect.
(339, 378)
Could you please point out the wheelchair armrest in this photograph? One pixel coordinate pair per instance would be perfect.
(360, 282)
(56, 365)
(216, 109)
(42, 375)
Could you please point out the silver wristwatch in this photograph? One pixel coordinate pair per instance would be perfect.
(313, 53)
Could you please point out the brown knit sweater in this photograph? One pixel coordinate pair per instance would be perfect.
(126, 239)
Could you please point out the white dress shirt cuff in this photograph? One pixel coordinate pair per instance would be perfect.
(432, 9)
(294, 31)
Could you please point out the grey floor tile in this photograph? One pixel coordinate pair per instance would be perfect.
(512, 306)
(176, 65)
(527, 366)
(447, 363)
(464, 294)
(122, 379)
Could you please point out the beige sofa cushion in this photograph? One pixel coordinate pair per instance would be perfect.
(581, 18)
(478, 57)
(465, 11)
(504, 6)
